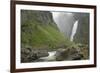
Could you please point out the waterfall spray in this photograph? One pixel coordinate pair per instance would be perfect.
(74, 29)
(64, 21)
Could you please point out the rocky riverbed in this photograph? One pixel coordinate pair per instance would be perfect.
(61, 54)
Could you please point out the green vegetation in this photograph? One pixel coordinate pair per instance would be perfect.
(36, 34)
(40, 35)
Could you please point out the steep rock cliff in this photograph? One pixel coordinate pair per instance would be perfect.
(82, 33)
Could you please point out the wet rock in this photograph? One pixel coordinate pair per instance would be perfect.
(30, 55)
(27, 55)
(42, 53)
(68, 54)
(61, 54)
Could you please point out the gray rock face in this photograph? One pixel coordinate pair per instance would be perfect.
(68, 54)
(82, 35)
(44, 17)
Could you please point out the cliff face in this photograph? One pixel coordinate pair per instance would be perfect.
(65, 22)
(43, 17)
(82, 34)
(38, 30)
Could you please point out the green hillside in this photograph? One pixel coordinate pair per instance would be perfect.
(38, 30)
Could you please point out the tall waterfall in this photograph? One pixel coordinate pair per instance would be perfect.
(64, 21)
(74, 30)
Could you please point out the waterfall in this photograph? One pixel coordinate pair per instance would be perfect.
(74, 29)
(64, 21)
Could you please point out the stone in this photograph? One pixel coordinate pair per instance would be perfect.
(31, 55)
(68, 54)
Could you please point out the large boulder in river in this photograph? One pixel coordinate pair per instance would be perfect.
(41, 53)
(68, 54)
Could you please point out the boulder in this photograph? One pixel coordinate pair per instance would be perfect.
(68, 54)
(27, 55)
(30, 55)
(42, 53)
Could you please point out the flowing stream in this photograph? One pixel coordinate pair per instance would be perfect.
(50, 57)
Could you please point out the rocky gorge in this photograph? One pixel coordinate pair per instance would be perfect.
(44, 38)
(61, 54)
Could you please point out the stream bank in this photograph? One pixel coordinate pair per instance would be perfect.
(61, 54)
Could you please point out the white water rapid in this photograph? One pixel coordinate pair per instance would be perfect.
(50, 57)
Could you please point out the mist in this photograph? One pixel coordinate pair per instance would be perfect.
(65, 22)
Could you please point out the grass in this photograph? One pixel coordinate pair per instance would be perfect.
(36, 34)
(43, 36)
